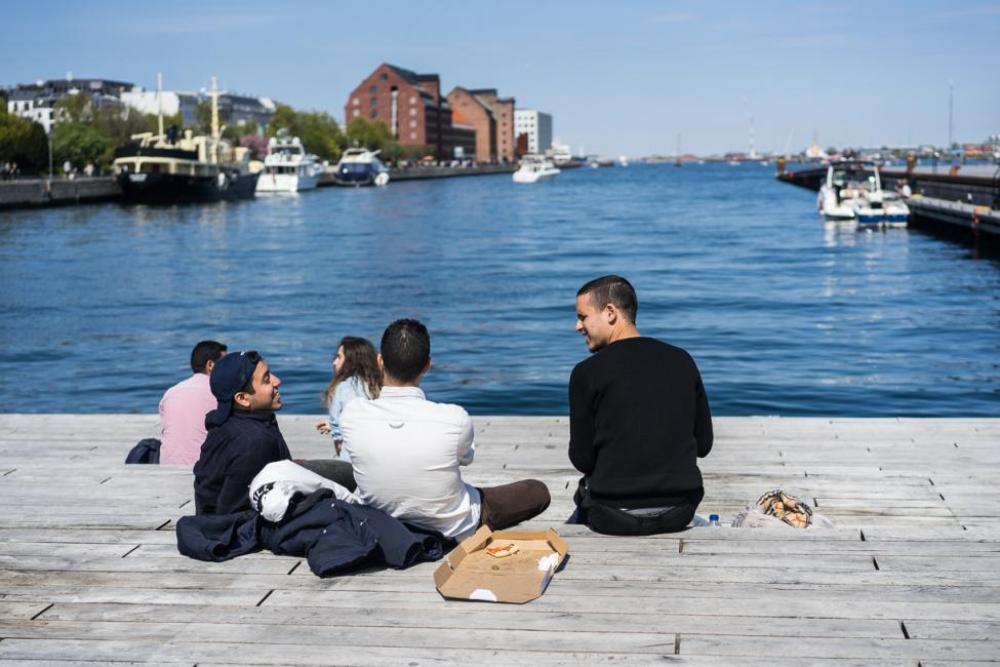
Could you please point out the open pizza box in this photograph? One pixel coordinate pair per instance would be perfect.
(471, 573)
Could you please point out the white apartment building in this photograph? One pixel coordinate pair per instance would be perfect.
(537, 126)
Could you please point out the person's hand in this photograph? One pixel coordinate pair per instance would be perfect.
(323, 427)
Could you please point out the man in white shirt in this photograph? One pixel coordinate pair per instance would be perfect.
(407, 451)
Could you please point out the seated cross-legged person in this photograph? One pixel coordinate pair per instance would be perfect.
(407, 451)
(243, 436)
(639, 420)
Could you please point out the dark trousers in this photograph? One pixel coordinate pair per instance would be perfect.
(612, 520)
(510, 504)
(341, 472)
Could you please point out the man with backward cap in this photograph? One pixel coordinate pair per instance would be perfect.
(243, 436)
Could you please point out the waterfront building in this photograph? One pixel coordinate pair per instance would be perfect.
(36, 101)
(536, 127)
(239, 109)
(468, 110)
(146, 101)
(412, 107)
(491, 116)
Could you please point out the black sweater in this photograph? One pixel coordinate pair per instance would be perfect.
(232, 455)
(639, 418)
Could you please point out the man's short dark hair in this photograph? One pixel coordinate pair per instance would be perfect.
(406, 349)
(612, 289)
(204, 352)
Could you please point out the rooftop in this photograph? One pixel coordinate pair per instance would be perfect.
(911, 573)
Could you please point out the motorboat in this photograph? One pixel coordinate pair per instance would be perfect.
(853, 192)
(166, 168)
(287, 166)
(359, 167)
(622, 160)
(875, 207)
(534, 168)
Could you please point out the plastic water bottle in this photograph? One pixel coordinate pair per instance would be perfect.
(713, 521)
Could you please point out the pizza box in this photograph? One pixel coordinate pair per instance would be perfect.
(471, 573)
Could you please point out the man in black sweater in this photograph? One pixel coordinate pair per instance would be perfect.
(639, 419)
(243, 436)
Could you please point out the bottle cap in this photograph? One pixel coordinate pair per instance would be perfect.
(713, 517)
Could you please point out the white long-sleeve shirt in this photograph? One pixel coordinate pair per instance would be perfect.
(406, 452)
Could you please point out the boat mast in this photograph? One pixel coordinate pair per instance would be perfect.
(159, 103)
(215, 121)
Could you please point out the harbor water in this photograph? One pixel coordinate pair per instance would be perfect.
(100, 305)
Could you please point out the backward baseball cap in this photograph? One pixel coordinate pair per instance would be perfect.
(229, 375)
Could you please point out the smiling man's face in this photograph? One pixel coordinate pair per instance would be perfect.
(591, 323)
(265, 394)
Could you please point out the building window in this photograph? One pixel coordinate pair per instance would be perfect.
(413, 136)
(413, 99)
(374, 113)
(384, 77)
(413, 112)
(413, 123)
(357, 112)
(357, 101)
(373, 90)
(374, 102)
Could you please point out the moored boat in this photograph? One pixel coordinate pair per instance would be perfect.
(359, 167)
(287, 166)
(166, 169)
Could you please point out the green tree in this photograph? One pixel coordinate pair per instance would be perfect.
(78, 143)
(24, 142)
(317, 130)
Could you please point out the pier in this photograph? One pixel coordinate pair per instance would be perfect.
(40, 192)
(962, 203)
(910, 575)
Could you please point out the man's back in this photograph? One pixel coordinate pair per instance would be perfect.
(182, 419)
(406, 453)
(639, 418)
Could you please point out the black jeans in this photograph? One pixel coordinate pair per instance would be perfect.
(335, 470)
(611, 520)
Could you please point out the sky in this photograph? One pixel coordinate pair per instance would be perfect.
(632, 78)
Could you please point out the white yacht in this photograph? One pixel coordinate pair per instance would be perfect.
(874, 207)
(287, 166)
(360, 166)
(533, 169)
(849, 195)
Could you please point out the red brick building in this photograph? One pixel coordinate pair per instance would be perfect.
(491, 116)
(503, 115)
(411, 106)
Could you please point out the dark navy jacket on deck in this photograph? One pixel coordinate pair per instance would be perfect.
(232, 455)
(333, 535)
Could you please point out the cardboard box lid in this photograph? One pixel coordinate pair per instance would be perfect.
(469, 573)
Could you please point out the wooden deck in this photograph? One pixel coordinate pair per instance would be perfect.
(89, 572)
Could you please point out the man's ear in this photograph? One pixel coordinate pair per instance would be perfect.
(241, 399)
(209, 365)
(381, 364)
(611, 313)
(429, 365)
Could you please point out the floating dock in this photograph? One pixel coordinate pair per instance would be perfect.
(910, 576)
(961, 203)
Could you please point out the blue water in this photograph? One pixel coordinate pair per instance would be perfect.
(101, 304)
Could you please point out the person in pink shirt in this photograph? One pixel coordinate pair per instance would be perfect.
(184, 406)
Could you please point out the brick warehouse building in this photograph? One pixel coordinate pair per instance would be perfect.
(412, 107)
(503, 113)
(491, 116)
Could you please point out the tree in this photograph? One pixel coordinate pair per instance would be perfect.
(24, 142)
(317, 130)
(78, 143)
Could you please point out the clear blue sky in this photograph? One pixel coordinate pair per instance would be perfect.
(617, 79)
